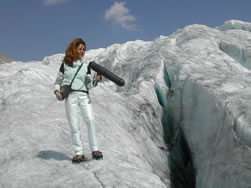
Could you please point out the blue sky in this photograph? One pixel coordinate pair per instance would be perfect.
(33, 29)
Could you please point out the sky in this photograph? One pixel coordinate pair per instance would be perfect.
(33, 29)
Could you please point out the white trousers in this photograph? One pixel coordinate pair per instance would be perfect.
(79, 103)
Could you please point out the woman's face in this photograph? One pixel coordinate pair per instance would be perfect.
(81, 51)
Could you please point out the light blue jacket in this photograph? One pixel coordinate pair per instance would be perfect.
(82, 81)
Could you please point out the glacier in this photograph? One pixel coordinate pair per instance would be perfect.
(183, 118)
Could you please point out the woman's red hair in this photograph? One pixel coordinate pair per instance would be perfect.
(71, 54)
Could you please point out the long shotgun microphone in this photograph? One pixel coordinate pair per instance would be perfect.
(106, 73)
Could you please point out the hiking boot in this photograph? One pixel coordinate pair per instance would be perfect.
(97, 155)
(78, 159)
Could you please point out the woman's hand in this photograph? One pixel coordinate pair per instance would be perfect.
(98, 78)
(58, 95)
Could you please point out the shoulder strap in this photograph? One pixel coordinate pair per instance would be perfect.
(76, 73)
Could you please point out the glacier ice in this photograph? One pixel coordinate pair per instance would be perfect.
(182, 119)
(236, 25)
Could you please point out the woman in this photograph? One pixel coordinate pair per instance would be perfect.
(78, 100)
